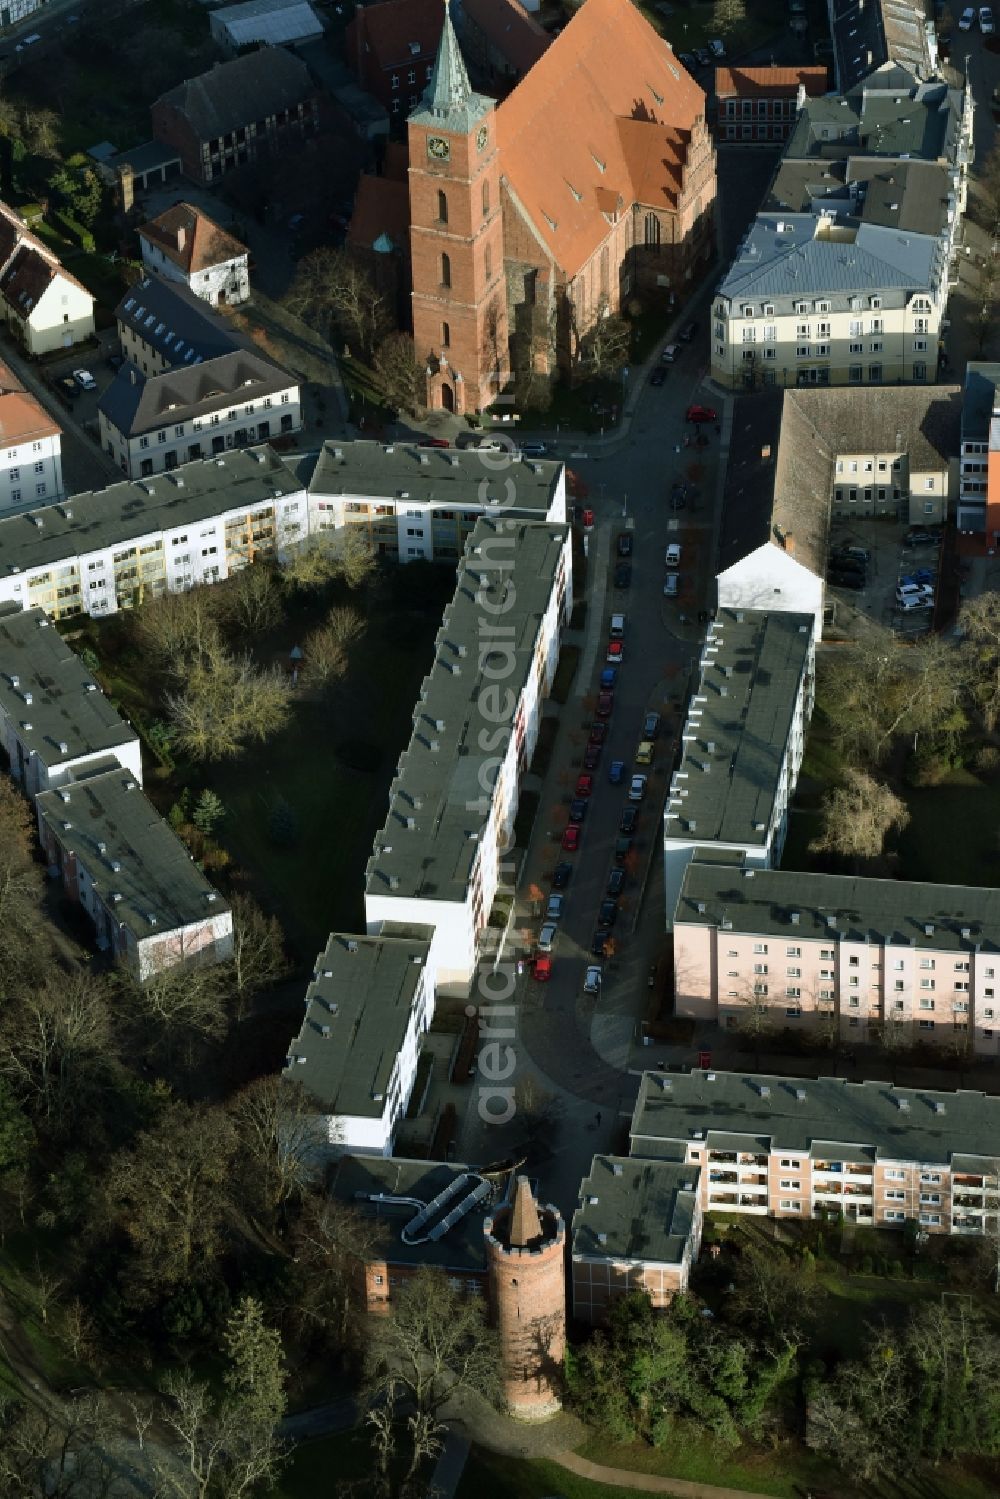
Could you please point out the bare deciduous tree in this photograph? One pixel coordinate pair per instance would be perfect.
(282, 1137)
(857, 817)
(327, 649)
(252, 598)
(346, 554)
(225, 703)
(331, 289)
(880, 688)
(258, 957)
(176, 628)
(400, 376)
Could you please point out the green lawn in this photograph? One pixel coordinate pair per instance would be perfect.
(952, 836)
(327, 1466)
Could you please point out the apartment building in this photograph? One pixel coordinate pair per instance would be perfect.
(839, 955)
(54, 719)
(388, 1193)
(824, 1147)
(438, 859)
(109, 549)
(881, 35)
(742, 742)
(761, 105)
(151, 906)
(164, 324)
(979, 480)
(414, 502)
(368, 1005)
(184, 245)
(637, 1227)
(153, 425)
(30, 447)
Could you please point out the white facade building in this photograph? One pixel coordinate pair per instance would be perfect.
(30, 447)
(184, 245)
(54, 719)
(438, 859)
(743, 742)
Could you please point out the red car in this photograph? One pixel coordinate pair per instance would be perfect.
(541, 970)
(700, 414)
(598, 733)
(584, 785)
(605, 703)
(434, 442)
(588, 520)
(571, 838)
(616, 653)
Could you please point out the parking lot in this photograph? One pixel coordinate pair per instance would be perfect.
(895, 561)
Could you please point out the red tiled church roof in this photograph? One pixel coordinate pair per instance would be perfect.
(766, 83)
(606, 110)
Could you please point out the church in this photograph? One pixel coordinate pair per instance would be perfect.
(589, 190)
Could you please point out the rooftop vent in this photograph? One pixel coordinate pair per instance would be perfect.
(116, 896)
(351, 947)
(394, 882)
(130, 785)
(800, 1094)
(27, 727)
(831, 921)
(29, 698)
(903, 1105)
(710, 1077)
(15, 680)
(764, 1091)
(90, 686)
(63, 747)
(325, 1030)
(593, 1201)
(116, 865)
(701, 908)
(64, 795)
(794, 917)
(928, 928)
(151, 917)
(939, 1106)
(616, 1168)
(602, 1238)
(966, 932)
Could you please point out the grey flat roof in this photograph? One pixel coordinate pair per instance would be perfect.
(142, 861)
(740, 736)
(444, 476)
(438, 803)
(634, 1209)
(904, 195)
(362, 989)
(911, 913)
(182, 328)
(147, 157)
(833, 1119)
(67, 706)
(982, 383)
(785, 255)
(878, 119)
(136, 403)
(358, 1178)
(101, 518)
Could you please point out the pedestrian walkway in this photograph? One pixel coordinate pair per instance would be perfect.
(645, 1483)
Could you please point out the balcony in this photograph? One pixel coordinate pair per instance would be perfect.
(728, 1177)
(753, 1160)
(964, 1183)
(828, 1168)
(753, 1178)
(723, 1157)
(827, 1189)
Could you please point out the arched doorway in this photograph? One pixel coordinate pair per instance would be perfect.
(447, 396)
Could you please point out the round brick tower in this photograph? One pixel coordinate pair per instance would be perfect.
(525, 1253)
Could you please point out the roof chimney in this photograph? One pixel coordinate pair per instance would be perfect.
(181, 237)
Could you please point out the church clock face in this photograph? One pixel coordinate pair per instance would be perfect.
(438, 148)
(481, 138)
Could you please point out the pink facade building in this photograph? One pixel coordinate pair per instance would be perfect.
(855, 959)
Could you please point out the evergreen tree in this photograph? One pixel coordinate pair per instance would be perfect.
(208, 813)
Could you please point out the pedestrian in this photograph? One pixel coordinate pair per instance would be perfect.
(598, 1116)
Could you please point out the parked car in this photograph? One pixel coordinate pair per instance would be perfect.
(915, 591)
(637, 788)
(913, 601)
(845, 580)
(67, 387)
(623, 847)
(584, 785)
(609, 678)
(561, 876)
(592, 981)
(687, 61)
(588, 520)
(918, 538)
(967, 19)
(600, 943)
(717, 49)
(673, 555)
(658, 376)
(571, 838)
(591, 755)
(85, 379)
(701, 414)
(857, 554)
(924, 576)
(616, 653)
(986, 20)
(534, 449)
(651, 726)
(547, 937)
(541, 970)
(671, 585)
(607, 915)
(703, 57)
(624, 543)
(616, 628)
(847, 565)
(616, 882)
(644, 754)
(688, 332)
(616, 772)
(434, 442)
(598, 733)
(605, 704)
(628, 819)
(623, 575)
(671, 354)
(555, 907)
(577, 809)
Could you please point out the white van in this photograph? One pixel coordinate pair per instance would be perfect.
(673, 557)
(671, 585)
(617, 626)
(913, 601)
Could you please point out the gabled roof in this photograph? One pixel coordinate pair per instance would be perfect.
(22, 418)
(381, 206)
(182, 328)
(134, 404)
(788, 255)
(770, 83)
(192, 240)
(606, 109)
(508, 28)
(247, 88)
(26, 280)
(392, 29)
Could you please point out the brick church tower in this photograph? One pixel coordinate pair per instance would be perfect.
(459, 299)
(525, 1256)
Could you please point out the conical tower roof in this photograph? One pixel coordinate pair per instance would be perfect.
(525, 1225)
(450, 102)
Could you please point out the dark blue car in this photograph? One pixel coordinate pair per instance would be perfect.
(616, 772)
